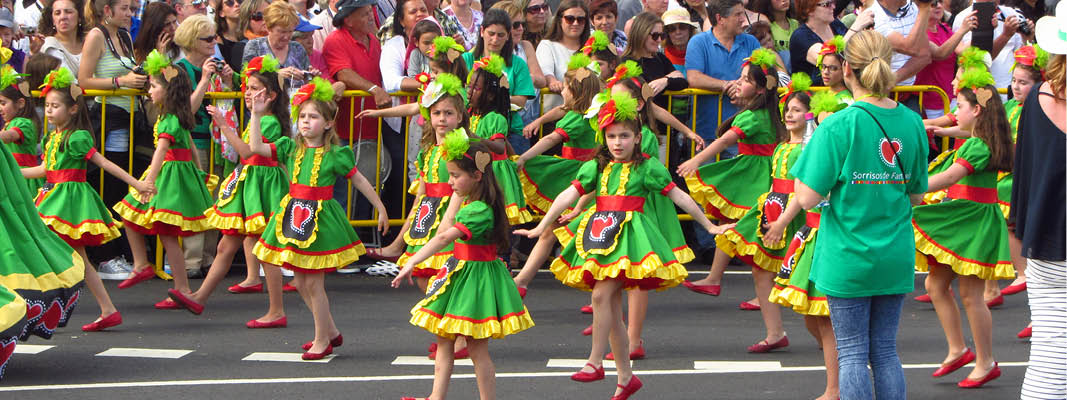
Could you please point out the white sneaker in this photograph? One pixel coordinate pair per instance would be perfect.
(350, 269)
(115, 269)
(287, 272)
(383, 268)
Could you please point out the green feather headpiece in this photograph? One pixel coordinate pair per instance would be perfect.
(456, 144)
(824, 101)
(597, 41)
(973, 57)
(627, 70)
(60, 78)
(442, 45)
(259, 64)
(584, 66)
(762, 58)
(318, 89)
(443, 84)
(155, 62)
(799, 82)
(1032, 56)
(832, 46)
(9, 77)
(978, 80)
(619, 107)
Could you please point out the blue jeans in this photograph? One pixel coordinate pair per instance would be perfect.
(866, 330)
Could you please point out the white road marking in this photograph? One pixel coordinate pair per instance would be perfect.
(524, 375)
(423, 360)
(143, 353)
(31, 348)
(738, 366)
(286, 357)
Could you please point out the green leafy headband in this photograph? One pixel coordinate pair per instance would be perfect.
(448, 46)
(973, 57)
(60, 78)
(259, 64)
(598, 41)
(456, 145)
(825, 102)
(319, 89)
(584, 66)
(9, 77)
(619, 107)
(832, 46)
(627, 70)
(979, 80)
(443, 84)
(158, 64)
(799, 82)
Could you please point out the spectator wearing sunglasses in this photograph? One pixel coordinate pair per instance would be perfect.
(228, 23)
(605, 19)
(188, 8)
(281, 20)
(656, 7)
(569, 31)
(536, 20)
(817, 26)
(904, 23)
(646, 35)
(250, 20)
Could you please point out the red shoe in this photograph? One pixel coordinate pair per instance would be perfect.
(923, 298)
(958, 363)
(967, 383)
(115, 319)
(185, 301)
(710, 290)
(522, 293)
(376, 254)
(997, 301)
(631, 387)
(278, 323)
(588, 330)
(637, 354)
(168, 304)
(748, 306)
(459, 355)
(335, 342)
(147, 273)
(1025, 333)
(317, 356)
(582, 376)
(432, 348)
(288, 288)
(764, 347)
(1013, 289)
(587, 309)
(257, 288)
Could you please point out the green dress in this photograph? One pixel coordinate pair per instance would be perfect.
(473, 294)
(729, 188)
(40, 275)
(309, 231)
(429, 211)
(25, 149)
(494, 126)
(793, 287)
(545, 177)
(967, 231)
(616, 238)
(1004, 180)
(252, 190)
(662, 207)
(182, 196)
(745, 240)
(67, 203)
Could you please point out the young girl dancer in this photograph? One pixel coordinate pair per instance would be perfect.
(729, 188)
(829, 64)
(792, 288)
(178, 210)
(971, 183)
(248, 196)
(309, 233)
(614, 244)
(67, 204)
(474, 284)
(20, 134)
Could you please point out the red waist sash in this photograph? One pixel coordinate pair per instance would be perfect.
(26, 160)
(65, 175)
(749, 149)
(973, 193)
(305, 192)
(178, 155)
(499, 157)
(782, 185)
(474, 252)
(812, 219)
(259, 160)
(620, 203)
(438, 190)
(579, 154)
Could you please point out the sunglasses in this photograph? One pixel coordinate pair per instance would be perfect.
(256, 16)
(570, 19)
(208, 39)
(518, 24)
(674, 27)
(232, 3)
(657, 36)
(537, 9)
(827, 4)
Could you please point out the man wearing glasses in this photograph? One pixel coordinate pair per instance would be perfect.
(186, 8)
(904, 23)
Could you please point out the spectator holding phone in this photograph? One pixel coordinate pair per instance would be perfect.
(281, 20)
(158, 24)
(1006, 38)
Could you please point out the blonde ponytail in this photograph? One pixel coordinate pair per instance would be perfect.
(1054, 74)
(868, 54)
(94, 11)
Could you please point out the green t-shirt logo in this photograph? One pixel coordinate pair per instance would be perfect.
(888, 151)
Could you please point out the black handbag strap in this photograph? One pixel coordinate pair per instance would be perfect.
(903, 175)
(125, 42)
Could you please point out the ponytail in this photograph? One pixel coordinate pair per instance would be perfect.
(94, 11)
(868, 55)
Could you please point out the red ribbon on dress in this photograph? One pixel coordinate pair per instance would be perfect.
(259, 160)
(620, 203)
(26, 160)
(65, 175)
(812, 219)
(305, 192)
(438, 190)
(782, 185)
(575, 153)
(750, 149)
(179, 155)
(973, 193)
(474, 252)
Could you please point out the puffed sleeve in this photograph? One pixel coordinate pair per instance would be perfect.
(25, 129)
(168, 128)
(344, 161)
(571, 125)
(281, 149)
(745, 123)
(973, 155)
(586, 180)
(80, 145)
(270, 128)
(492, 126)
(474, 220)
(656, 177)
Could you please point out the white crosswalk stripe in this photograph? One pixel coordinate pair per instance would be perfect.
(31, 348)
(143, 353)
(284, 357)
(423, 360)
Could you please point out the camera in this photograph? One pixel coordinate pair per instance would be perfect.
(1024, 24)
(139, 70)
(28, 30)
(218, 64)
(308, 76)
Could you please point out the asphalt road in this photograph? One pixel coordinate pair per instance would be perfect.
(695, 343)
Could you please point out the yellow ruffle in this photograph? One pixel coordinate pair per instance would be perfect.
(13, 312)
(108, 232)
(652, 266)
(221, 222)
(325, 261)
(734, 245)
(50, 281)
(563, 235)
(1004, 208)
(684, 254)
(517, 216)
(449, 327)
(534, 199)
(706, 195)
(935, 197)
(435, 261)
(149, 217)
(923, 247)
(799, 301)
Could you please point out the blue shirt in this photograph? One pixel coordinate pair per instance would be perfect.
(706, 54)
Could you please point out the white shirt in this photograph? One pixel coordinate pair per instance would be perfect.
(553, 58)
(886, 24)
(1001, 68)
(392, 66)
(27, 16)
(325, 20)
(55, 49)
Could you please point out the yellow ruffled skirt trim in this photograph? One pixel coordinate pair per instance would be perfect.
(435, 262)
(1004, 208)
(684, 254)
(50, 281)
(651, 267)
(448, 327)
(148, 218)
(107, 232)
(323, 261)
(533, 197)
(221, 222)
(517, 216)
(707, 195)
(799, 301)
(924, 247)
(734, 245)
(13, 312)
